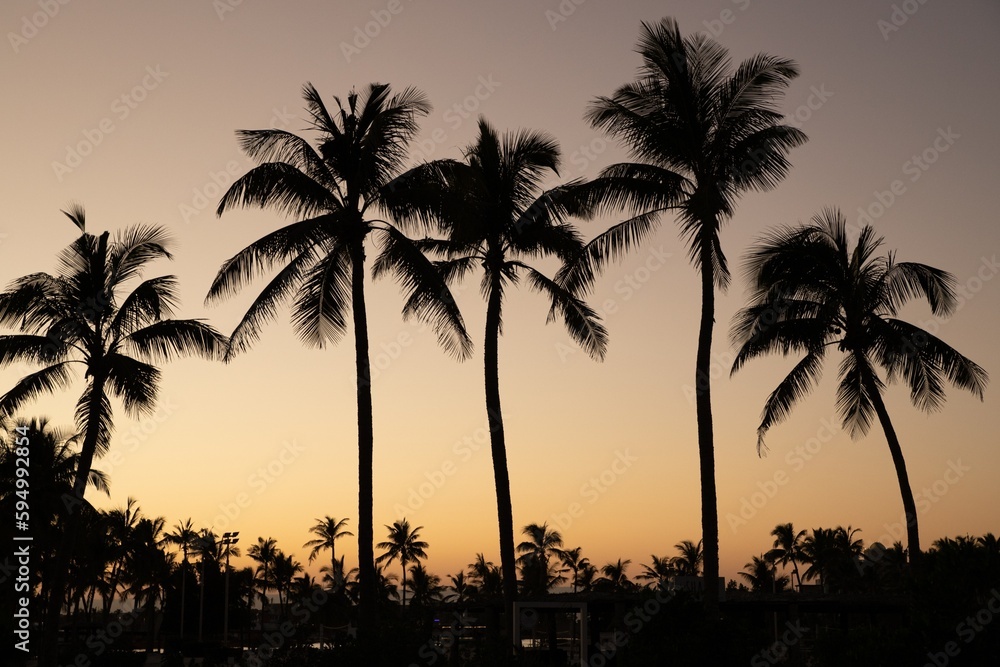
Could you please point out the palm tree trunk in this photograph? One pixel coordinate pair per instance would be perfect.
(909, 506)
(498, 448)
(366, 534)
(403, 589)
(706, 442)
(48, 652)
(183, 592)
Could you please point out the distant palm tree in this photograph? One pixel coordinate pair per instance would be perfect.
(811, 290)
(285, 569)
(426, 587)
(573, 561)
(463, 590)
(537, 572)
(487, 577)
(264, 553)
(83, 315)
(787, 548)
(658, 572)
(404, 544)
(183, 536)
(495, 215)
(703, 133)
(762, 576)
(328, 530)
(333, 192)
(615, 578)
(689, 560)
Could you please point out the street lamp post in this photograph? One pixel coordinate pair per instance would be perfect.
(228, 540)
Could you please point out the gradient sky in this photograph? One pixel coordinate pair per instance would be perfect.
(875, 92)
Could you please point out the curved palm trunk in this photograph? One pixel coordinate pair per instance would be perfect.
(706, 442)
(49, 651)
(498, 448)
(366, 534)
(909, 506)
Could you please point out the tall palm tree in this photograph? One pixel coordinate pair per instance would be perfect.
(328, 530)
(690, 559)
(83, 314)
(573, 561)
(285, 569)
(495, 215)
(703, 133)
(811, 290)
(333, 192)
(264, 553)
(183, 536)
(787, 548)
(404, 544)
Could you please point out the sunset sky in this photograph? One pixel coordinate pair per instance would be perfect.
(130, 109)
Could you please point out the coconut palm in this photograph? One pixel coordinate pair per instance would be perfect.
(538, 573)
(264, 553)
(83, 314)
(495, 215)
(327, 530)
(787, 548)
(284, 570)
(333, 192)
(183, 536)
(615, 579)
(761, 574)
(404, 544)
(689, 560)
(573, 561)
(486, 577)
(658, 572)
(462, 588)
(811, 290)
(703, 133)
(426, 587)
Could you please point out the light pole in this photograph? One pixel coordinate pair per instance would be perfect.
(228, 540)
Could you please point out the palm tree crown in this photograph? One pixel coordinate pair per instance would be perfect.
(404, 544)
(810, 290)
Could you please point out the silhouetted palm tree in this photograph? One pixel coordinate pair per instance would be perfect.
(333, 193)
(615, 579)
(573, 561)
(82, 314)
(426, 587)
(285, 569)
(811, 290)
(265, 554)
(495, 214)
(537, 571)
(762, 575)
(658, 572)
(183, 536)
(404, 544)
(328, 530)
(689, 560)
(463, 590)
(787, 548)
(487, 577)
(703, 133)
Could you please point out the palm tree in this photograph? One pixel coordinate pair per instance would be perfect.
(537, 572)
(658, 572)
(787, 548)
(285, 569)
(615, 579)
(573, 561)
(762, 575)
(463, 589)
(427, 588)
(183, 536)
(404, 544)
(703, 133)
(487, 578)
(495, 215)
(811, 290)
(264, 553)
(82, 314)
(689, 560)
(327, 530)
(332, 193)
